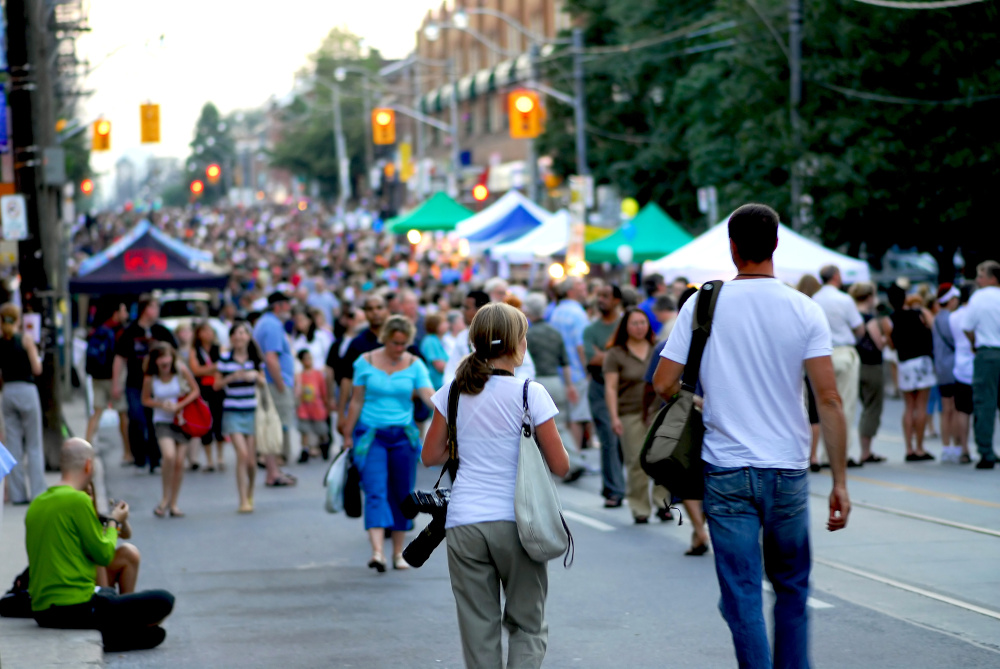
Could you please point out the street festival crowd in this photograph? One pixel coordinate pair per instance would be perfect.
(354, 341)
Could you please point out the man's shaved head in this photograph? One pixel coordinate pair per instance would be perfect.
(74, 454)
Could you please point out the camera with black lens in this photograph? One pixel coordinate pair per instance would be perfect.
(435, 503)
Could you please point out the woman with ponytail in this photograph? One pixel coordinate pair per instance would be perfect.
(22, 408)
(483, 545)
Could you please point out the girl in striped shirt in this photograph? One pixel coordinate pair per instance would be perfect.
(237, 373)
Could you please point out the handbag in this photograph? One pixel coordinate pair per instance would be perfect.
(671, 453)
(352, 491)
(541, 526)
(267, 424)
(195, 419)
(335, 480)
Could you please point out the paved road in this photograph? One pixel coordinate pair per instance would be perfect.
(913, 582)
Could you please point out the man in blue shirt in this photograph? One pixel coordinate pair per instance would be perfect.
(279, 370)
(570, 319)
(654, 287)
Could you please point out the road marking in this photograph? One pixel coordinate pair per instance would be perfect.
(918, 516)
(812, 602)
(924, 491)
(910, 588)
(587, 520)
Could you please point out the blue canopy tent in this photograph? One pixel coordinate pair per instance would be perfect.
(145, 259)
(510, 217)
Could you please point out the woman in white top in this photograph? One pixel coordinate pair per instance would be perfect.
(483, 546)
(162, 391)
(962, 372)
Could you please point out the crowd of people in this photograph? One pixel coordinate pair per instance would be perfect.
(353, 343)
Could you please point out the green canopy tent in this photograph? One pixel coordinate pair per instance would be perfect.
(439, 212)
(652, 234)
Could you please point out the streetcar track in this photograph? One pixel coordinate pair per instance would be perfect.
(918, 516)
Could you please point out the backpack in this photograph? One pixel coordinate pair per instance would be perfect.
(16, 602)
(101, 352)
(671, 453)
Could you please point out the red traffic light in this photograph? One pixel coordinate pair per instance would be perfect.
(87, 186)
(197, 187)
(480, 192)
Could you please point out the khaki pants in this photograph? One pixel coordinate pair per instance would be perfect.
(481, 557)
(636, 480)
(847, 368)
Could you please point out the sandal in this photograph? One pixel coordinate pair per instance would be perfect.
(245, 508)
(160, 511)
(377, 563)
(280, 482)
(176, 513)
(399, 562)
(874, 458)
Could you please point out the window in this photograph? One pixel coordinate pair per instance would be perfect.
(488, 116)
(470, 120)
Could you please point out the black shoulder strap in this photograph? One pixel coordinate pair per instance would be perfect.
(701, 323)
(452, 465)
(524, 405)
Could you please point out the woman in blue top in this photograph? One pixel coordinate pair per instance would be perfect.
(385, 439)
(432, 348)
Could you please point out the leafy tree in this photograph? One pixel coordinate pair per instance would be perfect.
(900, 143)
(212, 143)
(307, 147)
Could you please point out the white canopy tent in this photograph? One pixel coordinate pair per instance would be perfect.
(489, 225)
(548, 239)
(707, 257)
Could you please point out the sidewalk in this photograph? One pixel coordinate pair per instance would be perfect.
(23, 644)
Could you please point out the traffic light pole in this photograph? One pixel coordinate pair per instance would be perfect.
(532, 156)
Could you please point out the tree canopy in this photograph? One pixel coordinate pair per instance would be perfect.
(900, 142)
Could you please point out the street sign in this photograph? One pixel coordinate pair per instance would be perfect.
(14, 215)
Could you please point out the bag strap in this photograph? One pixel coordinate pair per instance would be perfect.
(451, 467)
(701, 323)
(526, 425)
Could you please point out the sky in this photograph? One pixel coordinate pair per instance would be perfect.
(234, 53)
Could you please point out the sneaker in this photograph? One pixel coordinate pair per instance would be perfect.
(986, 464)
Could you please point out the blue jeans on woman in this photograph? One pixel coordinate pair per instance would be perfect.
(739, 503)
(387, 477)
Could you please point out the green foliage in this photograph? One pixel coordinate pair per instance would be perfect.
(307, 147)
(212, 143)
(713, 109)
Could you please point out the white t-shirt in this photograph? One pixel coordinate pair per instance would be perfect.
(752, 373)
(841, 313)
(984, 316)
(964, 356)
(489, 441)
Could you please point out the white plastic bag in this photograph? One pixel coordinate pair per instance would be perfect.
(334, 480)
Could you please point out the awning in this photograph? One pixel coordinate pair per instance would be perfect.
(465, 87)
(484, 81)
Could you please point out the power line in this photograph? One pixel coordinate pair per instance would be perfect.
(940, 4)
(892, 99)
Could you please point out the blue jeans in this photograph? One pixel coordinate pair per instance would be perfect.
(612, 472)
(142, 442)
(739, 503)
(388, 476)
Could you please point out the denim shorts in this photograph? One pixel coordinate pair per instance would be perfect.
(238, 422)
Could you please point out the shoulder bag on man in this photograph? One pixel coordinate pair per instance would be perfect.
(540, 524)
(671, 454)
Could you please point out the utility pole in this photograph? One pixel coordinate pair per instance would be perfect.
(343, 164)
(31, 103)
(580, 104)
(456, 166)
(794, 100)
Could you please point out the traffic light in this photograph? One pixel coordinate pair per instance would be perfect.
(197, 187)
(480, 192)
(383, 126)
(87, 187)
(102, 136)
(149, 121)
(213, 172)
(525, 114)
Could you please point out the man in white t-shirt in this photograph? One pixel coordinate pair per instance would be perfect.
(982, 327)
(962, 371)
(756, 445)
(846, 327)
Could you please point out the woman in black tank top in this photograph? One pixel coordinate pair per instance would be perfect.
(21, 406)
(910, 334)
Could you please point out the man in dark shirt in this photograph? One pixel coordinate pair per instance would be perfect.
(131, 349)
(376, 313)
(101, 381)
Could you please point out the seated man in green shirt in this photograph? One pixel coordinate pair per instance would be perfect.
(66, 542)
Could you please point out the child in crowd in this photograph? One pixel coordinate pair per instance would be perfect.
(313, 408)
